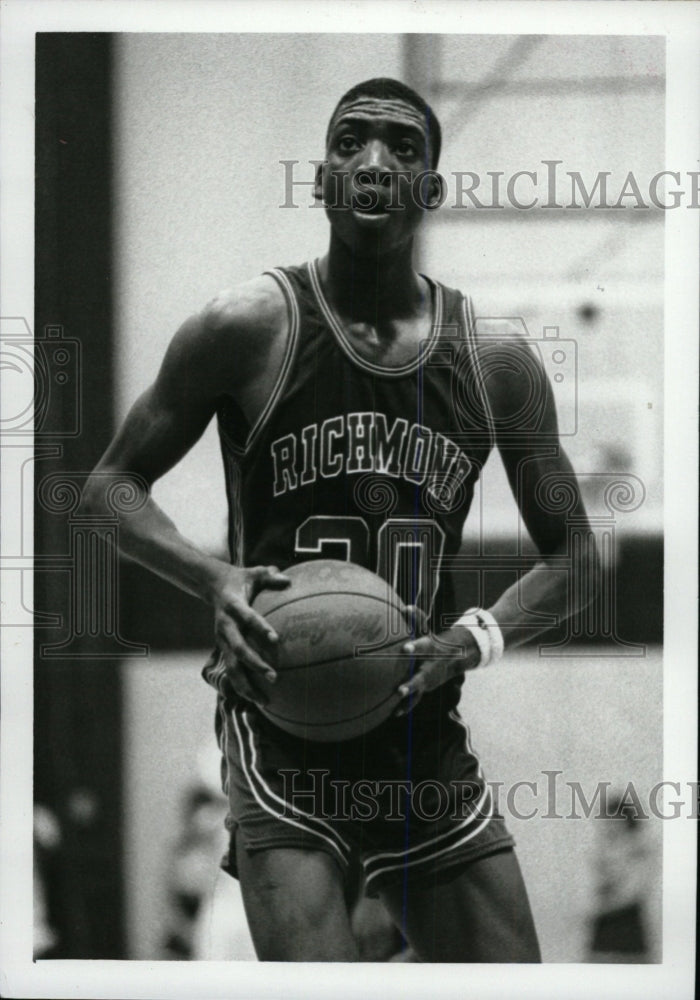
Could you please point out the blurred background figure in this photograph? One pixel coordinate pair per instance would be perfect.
(47, 839)
(191, 878)
(621, 927)
(204, 917)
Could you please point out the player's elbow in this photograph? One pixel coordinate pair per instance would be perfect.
(110, 491)
(93, 498)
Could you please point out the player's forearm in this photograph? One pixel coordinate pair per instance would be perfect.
(482, 635)
(545, 590)
(149, 537)
(153, 540)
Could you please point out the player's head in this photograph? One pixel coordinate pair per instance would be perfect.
(379, 176)
(372, 96)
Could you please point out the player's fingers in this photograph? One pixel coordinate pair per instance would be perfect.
(417, 619)
(269, 576)
(253, 663)
(248, 620)
(412, 690)
(242, 653)
(424, 646)
(417, 685)
(237, 681)
(432, 674)
(411, 693)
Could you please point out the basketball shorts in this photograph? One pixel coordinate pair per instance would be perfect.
(409, 799)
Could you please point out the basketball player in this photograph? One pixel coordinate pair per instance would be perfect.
(328, 379)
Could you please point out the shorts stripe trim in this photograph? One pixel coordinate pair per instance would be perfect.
(223, 744)
(454, 835)
(436, 854)
(453, 832)
(261, 790)
(456, 717)
(214, 674)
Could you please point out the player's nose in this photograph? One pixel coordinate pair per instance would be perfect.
(376, 162)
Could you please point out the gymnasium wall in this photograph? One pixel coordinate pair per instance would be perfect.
(77, 694)
(554, 107)
(201, 123)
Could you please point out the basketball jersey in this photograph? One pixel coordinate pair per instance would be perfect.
(353, 460)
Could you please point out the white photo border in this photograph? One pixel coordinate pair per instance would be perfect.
(678, 22)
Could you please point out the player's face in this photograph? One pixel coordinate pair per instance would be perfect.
(376, 150)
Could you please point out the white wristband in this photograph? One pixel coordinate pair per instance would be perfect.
(486, 633)
(480, 635)
(493, 629)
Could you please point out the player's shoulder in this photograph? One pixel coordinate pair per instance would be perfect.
(506, 339)
(490, 334)
(495, 329)
(253, 307)
(485, 330)
(510, 363)
(230, 336)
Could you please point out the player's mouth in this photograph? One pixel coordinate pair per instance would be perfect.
(370, 208)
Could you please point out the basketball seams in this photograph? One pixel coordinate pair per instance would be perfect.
(340, 659)
(335, 593)
(337, 623)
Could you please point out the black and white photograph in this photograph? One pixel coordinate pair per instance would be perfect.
(349, 451)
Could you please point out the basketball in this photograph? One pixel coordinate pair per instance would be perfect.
(338, 658)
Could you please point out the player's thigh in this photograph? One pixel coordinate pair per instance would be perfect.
(481, 915)
(377, 937)
(295, 905)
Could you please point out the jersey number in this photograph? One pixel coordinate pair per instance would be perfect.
(409, 551)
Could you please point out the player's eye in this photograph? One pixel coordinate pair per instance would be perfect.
(407, 147)
(348, 143)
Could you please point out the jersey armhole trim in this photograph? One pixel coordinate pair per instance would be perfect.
(336, 328)
(470, 332)
(226, 439)
(290, 352)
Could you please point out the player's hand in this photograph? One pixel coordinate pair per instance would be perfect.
(437, 659)
(242, 635)
(416, 619)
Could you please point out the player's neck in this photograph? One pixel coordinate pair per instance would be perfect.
(371, 288)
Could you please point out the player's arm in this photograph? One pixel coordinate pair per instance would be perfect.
(539, 472)
(213, 352)
(536, 465)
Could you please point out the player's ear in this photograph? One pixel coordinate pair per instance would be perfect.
(434, 192)
(318, 182)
